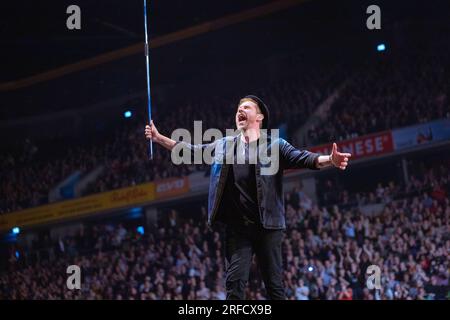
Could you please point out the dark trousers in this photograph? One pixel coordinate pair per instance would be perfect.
(240, 244)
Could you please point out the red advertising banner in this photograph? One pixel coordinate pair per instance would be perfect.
(361, 147)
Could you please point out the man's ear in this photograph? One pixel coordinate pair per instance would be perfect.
(260, 116)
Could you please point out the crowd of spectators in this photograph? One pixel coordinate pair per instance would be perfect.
(389, 92)
(432, 180)
(25, 180)
(326, 253)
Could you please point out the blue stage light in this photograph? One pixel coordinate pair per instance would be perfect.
(140, 229)
(16, 230)
(127, 114)
(381, 47)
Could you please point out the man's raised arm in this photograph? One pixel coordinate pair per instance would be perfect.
(152, 133)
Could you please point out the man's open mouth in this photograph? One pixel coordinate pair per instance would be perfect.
(242, 117)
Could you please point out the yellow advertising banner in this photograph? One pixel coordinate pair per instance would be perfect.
(116, 199)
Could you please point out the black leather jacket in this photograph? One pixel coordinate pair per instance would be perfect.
(269, 186)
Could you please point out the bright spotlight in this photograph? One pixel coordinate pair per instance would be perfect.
(140, 229)
(381, 47)
(127, 114)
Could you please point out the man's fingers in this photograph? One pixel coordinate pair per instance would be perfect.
(148, 132)
(348, 155)
(334, 150)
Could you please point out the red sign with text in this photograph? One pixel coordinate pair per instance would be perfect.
(361, 147)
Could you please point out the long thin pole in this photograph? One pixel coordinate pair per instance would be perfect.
(147, 59)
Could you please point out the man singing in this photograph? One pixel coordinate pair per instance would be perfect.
(248, 201)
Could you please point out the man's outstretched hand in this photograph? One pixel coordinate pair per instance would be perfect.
(338, 159)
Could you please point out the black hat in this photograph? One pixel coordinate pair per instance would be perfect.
(264, 109)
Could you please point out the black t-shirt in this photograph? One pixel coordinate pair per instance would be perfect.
(240, 192)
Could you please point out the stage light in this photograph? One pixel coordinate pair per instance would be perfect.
(17, 255)
(16, 230)
(381, 47)
(127, 114)
(310, 269)
(140, 229)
